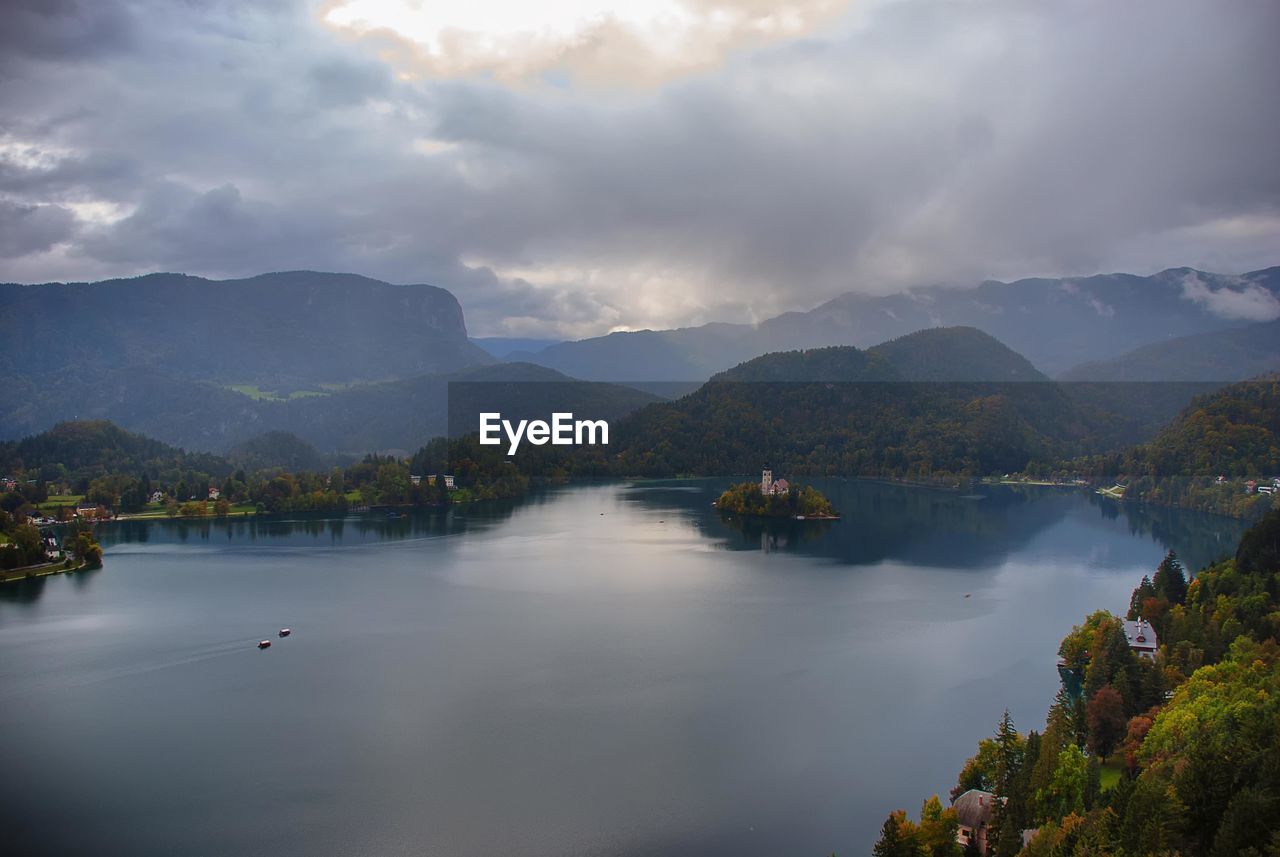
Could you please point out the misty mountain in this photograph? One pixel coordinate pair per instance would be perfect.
(280, 331)
(1054, 323)
(398, 415)
(1221, 356)
(502, 347)
(939, 354)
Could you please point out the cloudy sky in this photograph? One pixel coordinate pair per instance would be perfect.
(575, 166)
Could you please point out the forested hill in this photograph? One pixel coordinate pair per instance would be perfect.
(291, 328)
(1173, 754)
(906, 409)
(936, 354)
(398, 415)
(955, 354)
(1234, 431)
(89, 449)
(1223, 356)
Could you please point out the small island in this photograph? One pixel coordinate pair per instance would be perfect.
(770, 498)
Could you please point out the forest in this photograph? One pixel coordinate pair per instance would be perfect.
(1173, 755)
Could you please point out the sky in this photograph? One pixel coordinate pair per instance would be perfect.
(573, 167)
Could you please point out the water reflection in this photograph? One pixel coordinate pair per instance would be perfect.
(309, 529)
(879, 522)
(923, 526)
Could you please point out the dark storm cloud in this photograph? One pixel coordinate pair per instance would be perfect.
(917, 141)
(32, 228)
(68, 30)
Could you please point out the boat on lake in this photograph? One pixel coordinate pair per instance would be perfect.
(264, 644)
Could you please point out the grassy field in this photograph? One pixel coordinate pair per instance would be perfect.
(157, 511)
(56, 500)
(1111, 771)
(253, 391)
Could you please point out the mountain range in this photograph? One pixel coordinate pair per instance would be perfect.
(1057, 324)
(283, 330)
(390, 416)
(351, 364)
(938, 401)
(1222, 355)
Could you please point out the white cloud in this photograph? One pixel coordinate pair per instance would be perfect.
(594, 41)
(1240, 300)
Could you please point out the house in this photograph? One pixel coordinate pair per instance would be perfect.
(214, 493)
(448, 480)
(1266, 489)
(1141, 637)
(1250, 486)
(8, 483)
(86, 510)
(416, 480)
(157, 497)
(973, 812)
(768, 486)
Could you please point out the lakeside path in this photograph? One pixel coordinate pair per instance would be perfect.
(33, 571)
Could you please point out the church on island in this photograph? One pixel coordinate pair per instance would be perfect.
(769, 487)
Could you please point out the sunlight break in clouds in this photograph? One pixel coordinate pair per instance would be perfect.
(595, 41)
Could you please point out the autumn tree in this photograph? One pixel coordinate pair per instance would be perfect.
(1107, 722)
(898, 838)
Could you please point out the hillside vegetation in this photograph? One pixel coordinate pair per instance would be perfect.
(1194, 732)
(1206, 456)
(909, 408)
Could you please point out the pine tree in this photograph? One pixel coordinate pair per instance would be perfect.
(1146, 589)
(1171, 581)
(897, 839)
(1006, 831)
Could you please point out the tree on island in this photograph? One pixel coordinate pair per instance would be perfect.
(746, 498)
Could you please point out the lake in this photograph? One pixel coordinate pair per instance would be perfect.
(604, 669)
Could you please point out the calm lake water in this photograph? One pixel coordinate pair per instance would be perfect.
(599, 670)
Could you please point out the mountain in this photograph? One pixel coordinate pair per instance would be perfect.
(1221, 356)
(1054, 323)
(398, 415)
(955, 354)
(921, 406)
(939, 354)
(684, 354)
(502, 347)
(280, 331)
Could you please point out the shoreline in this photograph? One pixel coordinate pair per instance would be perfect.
(31, 572)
